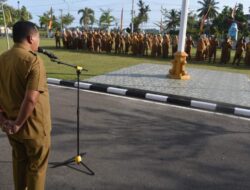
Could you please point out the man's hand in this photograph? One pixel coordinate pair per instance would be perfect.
(10, 127)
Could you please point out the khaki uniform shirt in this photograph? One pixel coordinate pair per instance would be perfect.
(21, 70)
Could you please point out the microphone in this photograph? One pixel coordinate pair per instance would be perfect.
(50, 55)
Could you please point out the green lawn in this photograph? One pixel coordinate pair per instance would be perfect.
(98, 64)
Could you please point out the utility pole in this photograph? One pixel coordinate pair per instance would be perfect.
(132, 23)
(61, 18)
(5, 25)
(18, 8)
(161, 27)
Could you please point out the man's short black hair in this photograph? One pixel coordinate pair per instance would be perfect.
(22, 29)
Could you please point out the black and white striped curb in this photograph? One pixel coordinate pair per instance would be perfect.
(153, 96)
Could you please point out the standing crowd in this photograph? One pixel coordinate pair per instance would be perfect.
(164, 46)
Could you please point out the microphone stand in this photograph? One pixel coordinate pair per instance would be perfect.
(78, 158)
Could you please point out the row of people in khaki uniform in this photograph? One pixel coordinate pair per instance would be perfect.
(207, 49)
(155, 45)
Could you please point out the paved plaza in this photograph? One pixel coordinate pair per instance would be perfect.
(219, 86)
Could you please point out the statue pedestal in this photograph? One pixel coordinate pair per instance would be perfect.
(178, 69)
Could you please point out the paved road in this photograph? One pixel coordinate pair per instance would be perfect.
(132, 144)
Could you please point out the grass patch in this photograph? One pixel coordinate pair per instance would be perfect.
(98, 64)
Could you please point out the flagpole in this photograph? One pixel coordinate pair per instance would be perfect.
(178, 69)
(132, 23)
(161, 27)
(121, 26)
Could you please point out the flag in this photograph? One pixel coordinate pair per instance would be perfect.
(121, 20)
(50, 20)
(204, 18)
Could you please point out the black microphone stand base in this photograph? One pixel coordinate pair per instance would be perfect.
(77, 161)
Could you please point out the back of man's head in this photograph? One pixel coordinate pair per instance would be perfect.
(23, 29)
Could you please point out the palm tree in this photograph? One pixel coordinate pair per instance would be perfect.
(143, 11)
(172, 19)
(106, 18)
(88, 16)
(208, 7)
(67, 20)
(142, 15)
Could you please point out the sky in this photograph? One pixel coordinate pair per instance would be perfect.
(38, 7)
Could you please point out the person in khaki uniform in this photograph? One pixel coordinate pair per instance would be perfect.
(189, 45)
(58, 38)
(200, 49)
(165, 46)
(226, 47)
(247, 57)
(154, 46)
(240, 48)
(174, 45)
(213, 49)
(24, 107)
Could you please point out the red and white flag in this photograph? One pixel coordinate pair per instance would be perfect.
(50, 20)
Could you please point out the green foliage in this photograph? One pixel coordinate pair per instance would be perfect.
(45, 18)
(142, 15)
(106, 18)
(224, 20)
(221, 23)
(88, 17)
(24, 14)
(193, 25)
(242, 20)
(208, 6)
(12, 15)
(67, 19)
(171, 20)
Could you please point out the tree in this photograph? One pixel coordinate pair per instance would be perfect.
(221, 23)
(12, 14)
(142, 15)
(67, 19)
(25, 14)
(224, 20)
(241, 20)
(193, 25)
(45, 19)
(208, 7)
(88, 17)
(106, 18)
(171, 20)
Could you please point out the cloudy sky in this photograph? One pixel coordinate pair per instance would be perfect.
(38, 7)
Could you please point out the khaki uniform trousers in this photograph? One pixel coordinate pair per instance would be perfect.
(30, 161)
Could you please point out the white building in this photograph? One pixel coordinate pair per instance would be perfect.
(2, 31)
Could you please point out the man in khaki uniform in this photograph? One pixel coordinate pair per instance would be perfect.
(24, 107)
(58, 38)
(189, 45)
(154, 46)
(200, 49)
(174, 45)
(240, 48)
(226, 47)
(165, 46)
(213, 48)
(247, 57)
